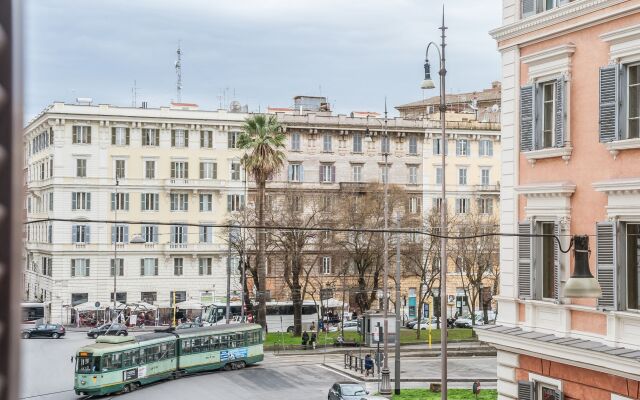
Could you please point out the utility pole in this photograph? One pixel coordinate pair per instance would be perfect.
(397, 359)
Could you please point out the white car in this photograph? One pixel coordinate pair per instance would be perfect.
(425, 325)
(350, 325)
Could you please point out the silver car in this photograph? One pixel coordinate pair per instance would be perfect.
(347, 391)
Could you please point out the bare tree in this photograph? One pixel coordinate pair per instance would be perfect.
(474, 255)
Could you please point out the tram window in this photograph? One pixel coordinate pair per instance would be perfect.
(163, 351)
(84, 365)
(197, 345)
(150, 354)
(172, 350)
(127, 359)
(216, 342)
(186, 346)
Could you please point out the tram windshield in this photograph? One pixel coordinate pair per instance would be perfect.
(87, 364)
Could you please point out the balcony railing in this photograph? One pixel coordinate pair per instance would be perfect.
(487, 188)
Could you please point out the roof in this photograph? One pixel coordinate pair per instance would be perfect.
(490, 94)
(216, 328)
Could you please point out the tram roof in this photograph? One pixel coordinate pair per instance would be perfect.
(216, 329)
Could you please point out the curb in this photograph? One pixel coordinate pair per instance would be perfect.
(419, 380)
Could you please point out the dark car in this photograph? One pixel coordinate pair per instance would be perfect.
(347, 391)
(108, 329)
(44, 330)
(187, 325)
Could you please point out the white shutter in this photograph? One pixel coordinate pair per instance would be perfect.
(606, 264)
(524, 261)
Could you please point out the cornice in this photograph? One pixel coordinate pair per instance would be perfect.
(552, 189)
(618, 186)
(624, 34)
(564, 50)
(542, 20)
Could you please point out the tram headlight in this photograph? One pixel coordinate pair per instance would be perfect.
(83, 382)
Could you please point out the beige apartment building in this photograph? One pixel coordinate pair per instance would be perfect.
(106, 175)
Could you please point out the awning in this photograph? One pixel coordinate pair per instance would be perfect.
(189, 305)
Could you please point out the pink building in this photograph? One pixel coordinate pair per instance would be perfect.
(570, 166)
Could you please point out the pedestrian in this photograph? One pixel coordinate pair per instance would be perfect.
(71, 359)
(313, 326)
(368, 365)
(314, 338)
(305, 339)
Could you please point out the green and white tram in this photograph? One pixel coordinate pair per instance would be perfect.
(123, 363)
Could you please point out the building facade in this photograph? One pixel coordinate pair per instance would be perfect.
(100, 176)
(569, 167)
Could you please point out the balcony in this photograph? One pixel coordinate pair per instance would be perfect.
(487, 188)
(193, 247)
(355, 186)
(194, 184)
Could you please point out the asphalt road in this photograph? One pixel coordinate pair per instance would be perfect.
(47, 373)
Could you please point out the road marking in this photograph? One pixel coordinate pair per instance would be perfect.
(340, 373)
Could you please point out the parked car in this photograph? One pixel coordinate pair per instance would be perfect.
(409, 324)
(44, 330)
(187, 325)
(350, 325)
(465, 321)
(347, 391)
(108, 329)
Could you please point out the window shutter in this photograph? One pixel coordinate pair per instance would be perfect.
(155, 234)
(157, 137)
(186, 138)
(609, 103)
(126, 201)
(142, 267)
(88, 201)
(556, 263)
(321, 173)
(87, 236)
(173, 169)
(524, 260)
(201, 170)
(172, 239)
(301, 173)
(156, 201)
(74, 204)
(89, 134)
(333, 173)
(560, 115)
(186, 170)
(558, 395)
(113, 233)
(142, 201)
(155, 269)
(202, 133)
(126, 234)
(526, 117)
(127, 137)
(228, 202)
(173, 138)
(113, 201)
(184, 234)
(73, 267)
(606, 264)
(290, 172)
(528, 8)
(202, 228)
(74, 233)
(525, 390)
(468, 148)
(113, 135)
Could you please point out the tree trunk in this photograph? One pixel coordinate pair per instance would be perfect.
(296, 297)
(262, 273)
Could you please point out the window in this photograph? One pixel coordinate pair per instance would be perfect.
(633, 102)
(120, 201)
(179, 201)
(80, 267)
(438, 175)
(150, 233)
(326, 265)
(296, 173)
(531, 7)
(120, 136)
(206, 139)
(179, 170)
(149, 267)
(485, 148)
(542, 115)
(205, 233)
(204, 266)
(79, 298)
(437, 147)
(81, 168)
(485, 176)
(326, 143)
(150, 169)
(81, 134)
(415, 204)
(80, 234)
(548, 106)
(121, 169)
(384, 144)
(208, 170)
(413, 174)
(326, 202)
(485, 206)
(179, 138)
(462, 176)
(384, 173)
(463, 147)
(232, 140)
(177, 266)
(178, 234)
(149, 202)
(462, 206)
(206, 202)
(356, 172)
(120, 263)
(295, 141)
(357, 142)
(437, 203)
(633, 266)
(296, 203)
(149, 297)
(120, 234)
(178, 296)
(150, 137)
(51, 201)
(80, 201)
(235, 202)
(413, 145)
(327, 173)
(235, 170)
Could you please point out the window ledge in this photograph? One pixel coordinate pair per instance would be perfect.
(616, 146)
(552, 152)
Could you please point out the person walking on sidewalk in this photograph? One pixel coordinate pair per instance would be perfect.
(314, 338)
(368, 365)
(305, 339)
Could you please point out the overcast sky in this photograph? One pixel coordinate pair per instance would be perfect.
(265, 51)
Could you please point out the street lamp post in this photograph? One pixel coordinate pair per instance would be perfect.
(428, 84)
(115, 242)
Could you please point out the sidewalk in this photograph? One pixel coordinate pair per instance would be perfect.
(455, 349)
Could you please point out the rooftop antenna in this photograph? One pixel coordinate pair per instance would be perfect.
(179, 74)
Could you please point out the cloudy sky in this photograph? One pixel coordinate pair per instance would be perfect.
(260, 52)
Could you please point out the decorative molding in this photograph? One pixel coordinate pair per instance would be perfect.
(550, 62)
(545, 19)
(552, 152)
(618, 145)
(618, 186)
(624, 44)
(552, 189)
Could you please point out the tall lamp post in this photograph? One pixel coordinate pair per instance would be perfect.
(428, 84)
(385, 386)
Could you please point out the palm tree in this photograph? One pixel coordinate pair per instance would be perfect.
(263, 139)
